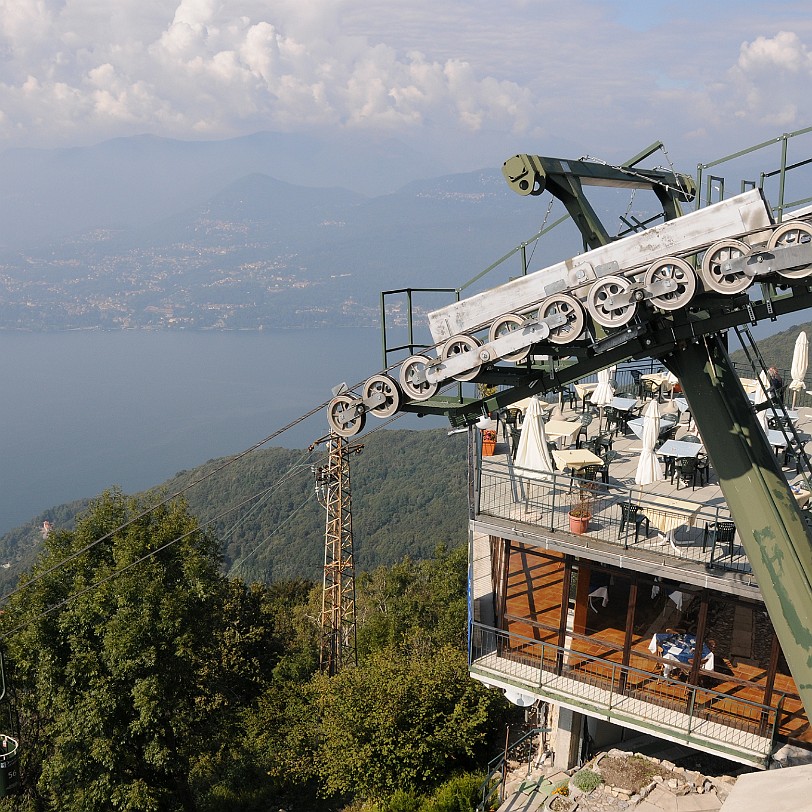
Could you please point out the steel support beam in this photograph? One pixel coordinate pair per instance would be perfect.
(772, 529)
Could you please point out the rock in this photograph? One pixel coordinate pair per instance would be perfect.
(673, 783)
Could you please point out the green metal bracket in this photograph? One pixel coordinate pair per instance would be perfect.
(777, 540)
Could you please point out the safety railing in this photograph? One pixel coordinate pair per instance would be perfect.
(691, 713)
(544, 501)
(494, 783)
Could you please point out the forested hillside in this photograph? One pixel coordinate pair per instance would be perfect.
(409, 494)
(144, 679)
(775, 349)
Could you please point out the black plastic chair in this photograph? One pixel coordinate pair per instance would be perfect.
(703, 468)
(587, 472)
(629, 516)
(668, 431)
(615, 420)
(638, 385)
(780, 422)
(569, 395)
(603, 471)
(793, 453)
(686, 471)
(719, 533)
(600, 444)
(583, 433)
(650, 389)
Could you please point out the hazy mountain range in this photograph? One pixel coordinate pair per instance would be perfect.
(149, 232)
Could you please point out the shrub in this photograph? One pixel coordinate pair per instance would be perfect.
(458, 794)
(586, 780)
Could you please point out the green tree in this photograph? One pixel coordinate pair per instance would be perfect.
(414, 603)
(402, 721)
(133, 660)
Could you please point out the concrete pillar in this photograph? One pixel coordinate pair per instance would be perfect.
(567, 742)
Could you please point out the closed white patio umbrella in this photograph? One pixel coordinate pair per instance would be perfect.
(800, 361)
(533, 458)
(761, 397)
(649, 469)
(603, 393)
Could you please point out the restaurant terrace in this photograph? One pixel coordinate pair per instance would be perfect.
(642, 611)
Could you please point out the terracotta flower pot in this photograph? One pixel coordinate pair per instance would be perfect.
(578, 523)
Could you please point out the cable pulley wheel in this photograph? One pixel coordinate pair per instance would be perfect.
(337, 415)
(571, 309)
(504, 325)
(389, 389)
(675, 270)
(601, 298)
(793, 232)
(460, 344)
(412, 368)
(713, 275)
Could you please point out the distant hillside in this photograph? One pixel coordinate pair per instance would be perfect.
(408, 488)
(776, 349)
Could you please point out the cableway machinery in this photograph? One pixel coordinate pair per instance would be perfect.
(670, 292)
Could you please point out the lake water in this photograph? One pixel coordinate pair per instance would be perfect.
(82, 411)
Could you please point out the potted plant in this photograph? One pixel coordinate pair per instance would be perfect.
(488, 442)
(580, 512)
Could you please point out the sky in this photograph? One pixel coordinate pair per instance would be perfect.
(469, 81)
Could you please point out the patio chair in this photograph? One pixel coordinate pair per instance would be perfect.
(780, 423)
(703, 468)
(600, 444)
(586, 418)
(691, 438)
(719, 533)
(650, 389)
(668, 431)
(587, 472)
(615, 420)
(569, 395)
(638, 384)
(603, 471)
(794, 454)
(629, 516)
(686, 471)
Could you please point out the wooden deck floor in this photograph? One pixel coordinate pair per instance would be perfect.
(533, 594)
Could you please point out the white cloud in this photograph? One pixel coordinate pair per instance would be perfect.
(771, 76)
(82, 70)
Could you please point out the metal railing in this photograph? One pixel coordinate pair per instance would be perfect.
(690, 713)
(495, 779)
(544, 501)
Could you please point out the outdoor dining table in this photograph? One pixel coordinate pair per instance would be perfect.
(521, 405)
(584, 389)
(679, 449)
(624, 404)
(659, 379)
(636, 426)
(679, 648)
(575, 458)
(792, 414)
(668, 513)
(777, 439)
(750, 385)
(564, 430)
(801, 494)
